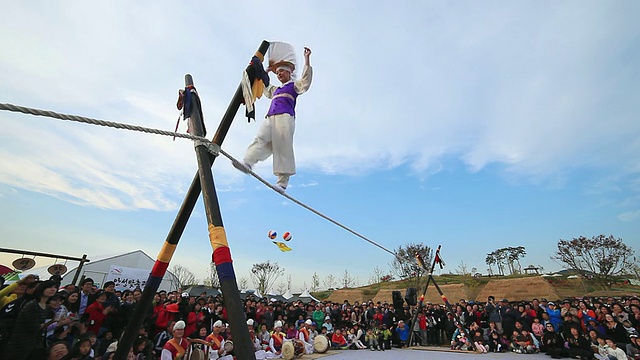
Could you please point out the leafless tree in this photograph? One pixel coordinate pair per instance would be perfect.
(329, 281)
(347, 280)
(264, 275)
(243, 283)
(185, 277)
(315, 282)
(376, 276)
(212, 279)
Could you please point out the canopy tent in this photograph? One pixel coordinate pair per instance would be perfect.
(99, 266)
(201, 290)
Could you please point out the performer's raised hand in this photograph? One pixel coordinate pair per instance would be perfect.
(307, 54)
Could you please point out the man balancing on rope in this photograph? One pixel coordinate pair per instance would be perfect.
(275, 136)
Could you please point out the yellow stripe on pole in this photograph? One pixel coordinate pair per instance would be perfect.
(217, 236)
(167, 252)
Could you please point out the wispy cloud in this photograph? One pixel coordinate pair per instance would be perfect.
(540, 90)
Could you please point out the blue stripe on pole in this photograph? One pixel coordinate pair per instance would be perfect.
(225, 271)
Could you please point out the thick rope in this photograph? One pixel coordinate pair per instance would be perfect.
(309, 207)
(86, 120)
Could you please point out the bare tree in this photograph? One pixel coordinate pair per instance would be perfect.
(602, 257)
(184, 276)
(212, 279)
(282, 288)
(463, 268)
(347, 280)
(330, 281)
(405, 265)
(376, 276)
(243, 283)
(315, 282)
(264, 275)
(289, 282)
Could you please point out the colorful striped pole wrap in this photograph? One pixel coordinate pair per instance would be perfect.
(221, 254)
(161, 265)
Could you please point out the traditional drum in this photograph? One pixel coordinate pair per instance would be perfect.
(228, 346)
(288, 350)
(320, 344)
(298, 347)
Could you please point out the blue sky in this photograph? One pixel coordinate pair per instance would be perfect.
(475, 125)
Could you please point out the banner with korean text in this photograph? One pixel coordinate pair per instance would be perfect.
(127, 278)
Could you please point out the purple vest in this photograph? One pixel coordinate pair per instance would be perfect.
(284, 100)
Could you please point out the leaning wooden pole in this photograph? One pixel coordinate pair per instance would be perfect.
(179, 224)
(243, 347)
(424, 292)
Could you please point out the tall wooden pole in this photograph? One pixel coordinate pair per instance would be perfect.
(179, 224)
(243, 346)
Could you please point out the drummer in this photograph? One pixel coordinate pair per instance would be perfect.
(217, 349)
(277, 339)
(252, 335)
(176, 347)
(303, 335)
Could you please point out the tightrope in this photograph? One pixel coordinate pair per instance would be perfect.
(117, 125)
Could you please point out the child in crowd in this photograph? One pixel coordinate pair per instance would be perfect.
(81, 350)
(292, 333)
(495, 345)
(537, 328)
(353, 342)
(372, 340)
(338, 341)
(478, 342)
(386, 337)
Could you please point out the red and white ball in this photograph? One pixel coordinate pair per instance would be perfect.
(273, 234)
(286, 236)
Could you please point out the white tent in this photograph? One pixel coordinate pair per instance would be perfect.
(288, 295)
(98, 268)
(305, 295)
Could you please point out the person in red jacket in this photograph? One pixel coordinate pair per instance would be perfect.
(98, 312)
(338, 341)
(194, 317)
(166, 314)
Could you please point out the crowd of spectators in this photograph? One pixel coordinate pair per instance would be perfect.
(41, 320)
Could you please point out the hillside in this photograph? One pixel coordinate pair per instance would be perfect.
(456, 287)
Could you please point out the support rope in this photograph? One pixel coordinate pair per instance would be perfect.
(113, 124)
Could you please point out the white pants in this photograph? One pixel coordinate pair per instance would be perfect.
(275, 137)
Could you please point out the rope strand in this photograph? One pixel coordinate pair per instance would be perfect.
(117, 125)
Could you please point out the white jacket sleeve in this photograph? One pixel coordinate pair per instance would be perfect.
(302, 85)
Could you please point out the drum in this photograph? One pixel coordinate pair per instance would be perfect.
(298, 347)
(288, 350)
(196, 354)
(228, 346)
(320, 344)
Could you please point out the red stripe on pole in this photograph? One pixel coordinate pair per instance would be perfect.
(159, 268)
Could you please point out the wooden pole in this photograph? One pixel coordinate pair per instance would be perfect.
(179, 224)
(243, 346)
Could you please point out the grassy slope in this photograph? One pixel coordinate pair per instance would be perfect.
(565, 287)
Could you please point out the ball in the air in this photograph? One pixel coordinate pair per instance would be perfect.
(273, 234)
(286, 236)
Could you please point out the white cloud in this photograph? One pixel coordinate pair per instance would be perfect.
(542, 91)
